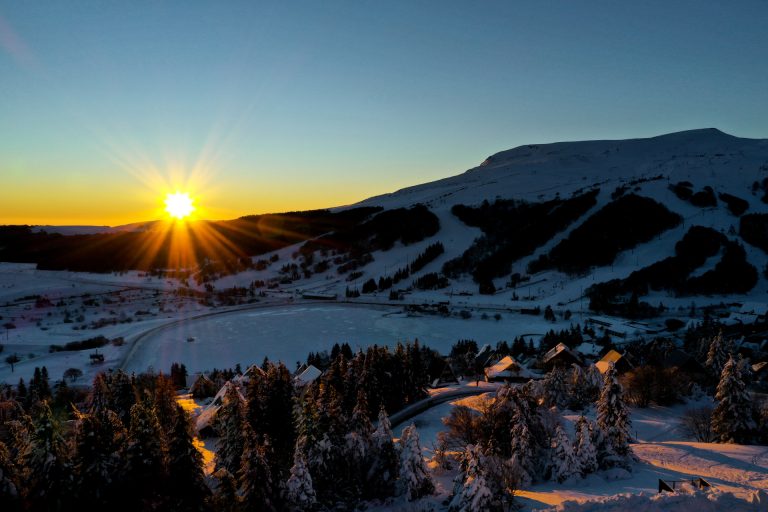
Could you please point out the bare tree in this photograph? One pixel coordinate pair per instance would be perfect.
(12, 360)
(73, 374)
(697, 423)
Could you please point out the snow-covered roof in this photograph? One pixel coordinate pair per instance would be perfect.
(559, 349)
(308, 376)
(508, 367)
(610, 357)
(208, 413)
(755, 308)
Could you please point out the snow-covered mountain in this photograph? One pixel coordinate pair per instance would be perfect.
(707, 162)
(705, 157)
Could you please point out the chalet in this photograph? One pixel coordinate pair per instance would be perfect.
(508, 370)
(203, 387)
(207, 417)
(441, 374)
(307, 376)
(677, 358)
(760, 374)
(619, 362)
(484, 356)
(561, 356)
(758, 310)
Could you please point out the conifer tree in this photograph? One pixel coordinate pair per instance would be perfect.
(719, 351)
(146, 458)
(99, 444)
(229, 424)
(186, 482)
(254, 476)
(357, 443)
(613, 417)
(10, 495)
(325, 455)
(300, 492)
(563, 462)
(123, 396)
(732, 418)
(556, 389)
(522, 448)
(383, 474)
(224, 497)
(277, 422)
(475, 494)
(415, 480)
(586, 453)
(49, 470)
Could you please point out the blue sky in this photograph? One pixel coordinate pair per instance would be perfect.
(266, 106)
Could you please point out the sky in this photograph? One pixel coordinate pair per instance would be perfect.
(258, 106)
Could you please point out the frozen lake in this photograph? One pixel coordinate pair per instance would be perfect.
(289, 333)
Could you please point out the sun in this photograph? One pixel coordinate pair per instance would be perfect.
(178, 205)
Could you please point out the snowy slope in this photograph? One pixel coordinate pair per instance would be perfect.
(706, 157)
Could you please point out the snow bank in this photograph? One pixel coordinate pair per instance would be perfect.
(696, 501)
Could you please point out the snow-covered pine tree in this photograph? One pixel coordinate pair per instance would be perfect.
(99, 399)
(229, 424)
(99, 444)
(224, 497)
(254, 476)
(594, 381)
(563, 463)
(164, 402)
(586, 453)
(719, 351)
(49, 470)
(475, 494)
(613, 417)
(122, 396)
(9, 481)
(522, 449)
(415, 480)
(383, 473)
(300, 493)
(186, 481)
(145, 458)
(357, 443)
(556, 388)
(324, 457)
(732, 418)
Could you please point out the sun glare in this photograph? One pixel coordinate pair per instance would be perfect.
(178, 205)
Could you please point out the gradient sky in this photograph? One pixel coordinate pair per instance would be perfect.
(273, 106)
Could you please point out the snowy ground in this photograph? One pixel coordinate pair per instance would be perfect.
(290, 333)
(663, 453)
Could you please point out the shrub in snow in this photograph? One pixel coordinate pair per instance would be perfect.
(415, 480)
